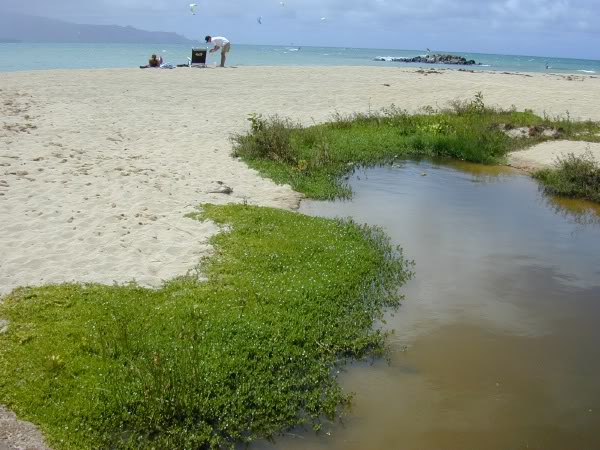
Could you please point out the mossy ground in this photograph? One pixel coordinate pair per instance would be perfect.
(243, 355)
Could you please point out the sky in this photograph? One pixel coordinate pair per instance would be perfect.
(525, 27)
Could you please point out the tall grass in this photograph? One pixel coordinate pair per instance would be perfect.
(314, 160)
(573, 176)
(242, 356)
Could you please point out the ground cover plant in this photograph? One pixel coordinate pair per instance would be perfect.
(573, 176)
(198, 364)
(314, 160)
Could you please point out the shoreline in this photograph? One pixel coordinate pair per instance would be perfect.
(543, 156)
(31, 56)
(405, 67)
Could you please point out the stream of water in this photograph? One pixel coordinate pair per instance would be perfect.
(497, 344)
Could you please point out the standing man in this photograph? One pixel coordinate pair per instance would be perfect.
(220, 43)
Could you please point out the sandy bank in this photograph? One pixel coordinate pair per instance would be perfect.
(545, 155)
(98, 168)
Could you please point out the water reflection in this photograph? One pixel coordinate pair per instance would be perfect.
(579, 211)
(497, 345)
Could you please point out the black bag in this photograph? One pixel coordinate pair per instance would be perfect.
(199, 56)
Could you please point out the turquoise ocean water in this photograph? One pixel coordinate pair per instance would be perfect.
(25, 56)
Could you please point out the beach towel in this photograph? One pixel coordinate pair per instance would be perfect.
(162, 66)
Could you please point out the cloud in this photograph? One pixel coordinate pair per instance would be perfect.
(533, 11)
(465, 23)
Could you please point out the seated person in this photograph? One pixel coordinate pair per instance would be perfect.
(155, 62)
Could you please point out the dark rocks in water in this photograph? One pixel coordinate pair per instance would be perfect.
(432, 59)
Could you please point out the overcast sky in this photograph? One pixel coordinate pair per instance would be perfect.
(529, 27)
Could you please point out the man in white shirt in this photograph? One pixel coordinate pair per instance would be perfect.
(220, 43)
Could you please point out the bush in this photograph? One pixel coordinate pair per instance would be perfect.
(574, 176)
(268, 138)
(314, 160)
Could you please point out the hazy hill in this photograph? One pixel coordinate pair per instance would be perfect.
(19, 27)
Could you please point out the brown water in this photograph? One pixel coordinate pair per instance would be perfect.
(497, 345)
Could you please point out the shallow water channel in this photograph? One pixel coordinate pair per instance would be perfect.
(497, 344)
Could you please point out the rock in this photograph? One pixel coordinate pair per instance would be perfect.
(19, 173)
(536, 130)
(517, 132)
(222, 190)
(3, 326)
(552, 133)
(17, 434)
(432, 59)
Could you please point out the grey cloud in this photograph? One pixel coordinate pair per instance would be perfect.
(511, 13)
(394, 19)
(514, 10)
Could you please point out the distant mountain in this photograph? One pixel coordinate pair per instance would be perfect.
(24, 28)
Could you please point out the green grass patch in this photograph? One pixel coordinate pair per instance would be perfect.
(245, 354)
(573, 176)
(314, 160)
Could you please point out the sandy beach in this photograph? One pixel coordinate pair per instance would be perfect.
(546, 155)
(98, 168)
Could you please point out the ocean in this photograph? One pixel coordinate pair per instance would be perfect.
(26, 56)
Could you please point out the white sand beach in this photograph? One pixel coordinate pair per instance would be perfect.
(98, 168)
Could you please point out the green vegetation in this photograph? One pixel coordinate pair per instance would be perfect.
(315, 159)
(574, 176)
(243, 355)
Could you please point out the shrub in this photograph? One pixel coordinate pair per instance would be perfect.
(315, 159)
(269, 138)
(573, 176)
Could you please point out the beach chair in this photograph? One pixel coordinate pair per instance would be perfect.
(198, 58)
